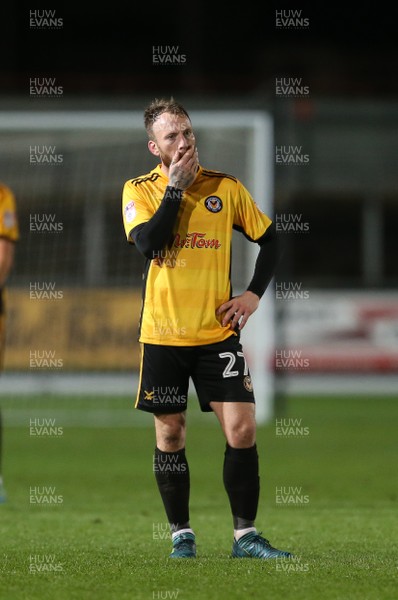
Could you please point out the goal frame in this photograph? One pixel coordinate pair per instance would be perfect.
(258, 337)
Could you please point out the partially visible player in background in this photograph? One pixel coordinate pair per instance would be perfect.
(9, 234)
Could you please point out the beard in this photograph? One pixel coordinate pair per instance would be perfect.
(166, 160)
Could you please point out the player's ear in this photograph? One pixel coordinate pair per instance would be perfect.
(153, 149)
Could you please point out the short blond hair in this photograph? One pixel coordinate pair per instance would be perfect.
(159, 106)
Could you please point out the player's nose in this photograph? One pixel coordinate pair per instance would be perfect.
(182, 142)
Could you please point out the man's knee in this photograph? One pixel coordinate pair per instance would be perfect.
(241, 433)
(170, 432)
(238, 422)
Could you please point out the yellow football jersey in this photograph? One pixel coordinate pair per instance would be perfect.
(185, 286)
(8, 230)
(8, 216)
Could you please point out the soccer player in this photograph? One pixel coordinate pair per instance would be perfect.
(9, 234)
(181, 216)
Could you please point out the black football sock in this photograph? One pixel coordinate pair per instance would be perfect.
(172, 476)
(242, 484)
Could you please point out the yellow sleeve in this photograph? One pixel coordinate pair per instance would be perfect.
(9, 228)
(136, 209)
(248, 216)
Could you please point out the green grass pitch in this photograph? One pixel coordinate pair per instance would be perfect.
(328, 494)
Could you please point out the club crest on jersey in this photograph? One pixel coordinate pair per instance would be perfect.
(213, 204)
(247, 382)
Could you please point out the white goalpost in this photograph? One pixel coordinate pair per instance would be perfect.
(236, 142)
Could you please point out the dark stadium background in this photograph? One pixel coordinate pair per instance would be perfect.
(233, 52)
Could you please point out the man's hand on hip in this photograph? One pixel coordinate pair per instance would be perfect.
(238, 309)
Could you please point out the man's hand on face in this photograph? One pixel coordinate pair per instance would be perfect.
(183, 167)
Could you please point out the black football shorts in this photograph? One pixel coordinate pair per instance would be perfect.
(218, 371)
